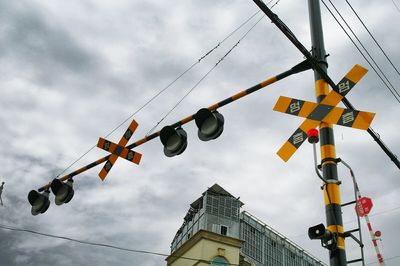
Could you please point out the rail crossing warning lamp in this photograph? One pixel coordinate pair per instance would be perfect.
(320, 232)
(63, 191)
(118, 150)
(40, 201)
(209, 123)
(313, 136)
(325, 111)
(174, 140)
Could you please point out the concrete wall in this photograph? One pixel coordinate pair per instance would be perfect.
(203, 247)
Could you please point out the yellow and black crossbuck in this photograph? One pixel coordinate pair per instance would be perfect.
(326, 111)
(119, 150)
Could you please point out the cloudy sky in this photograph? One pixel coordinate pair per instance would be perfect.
(71, 71)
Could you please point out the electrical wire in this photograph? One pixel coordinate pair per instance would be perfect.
(384, 211)
(376, 64)
(273, 4)
(376, 262)
(105, 245)
(166, 87)
(219, 61)
(205, 76)
(353, 221)
(370, 34)
(365, 49)
(397, 7)
(392, 90)
(376, 214)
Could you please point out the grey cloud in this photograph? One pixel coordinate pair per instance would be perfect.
(36, 43)
(140, 48)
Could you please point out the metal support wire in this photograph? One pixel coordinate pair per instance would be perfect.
(316, 164)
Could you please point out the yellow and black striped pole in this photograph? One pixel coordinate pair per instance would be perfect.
(333, 211)
(303, 66)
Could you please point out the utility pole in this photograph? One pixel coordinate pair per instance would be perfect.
(337, 256)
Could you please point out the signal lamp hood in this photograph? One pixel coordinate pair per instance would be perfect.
(40, 201)
(63, 191)
(174, 140)
(210, 124)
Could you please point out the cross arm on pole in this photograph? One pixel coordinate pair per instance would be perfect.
(303, 66)
(315, 64)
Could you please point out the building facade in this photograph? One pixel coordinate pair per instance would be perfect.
(215, 232)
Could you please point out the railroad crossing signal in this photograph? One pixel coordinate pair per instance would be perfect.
(173, 137)
(324, 111)
(119, 150)
(364, 206)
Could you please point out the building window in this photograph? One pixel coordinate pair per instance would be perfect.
(224, 230)
(220, 229)
(219, 261)
(253, 245)
(223, 206)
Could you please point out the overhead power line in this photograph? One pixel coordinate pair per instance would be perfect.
(177, 78)
(385, 80)
(212, 69)
(205, 76)
(370, 34)
(386, 259)
(352, 221)
(397, 7)
(376, 214)
(110, 246)
(168, 86)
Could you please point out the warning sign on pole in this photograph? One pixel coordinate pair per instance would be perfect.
(364, 206)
